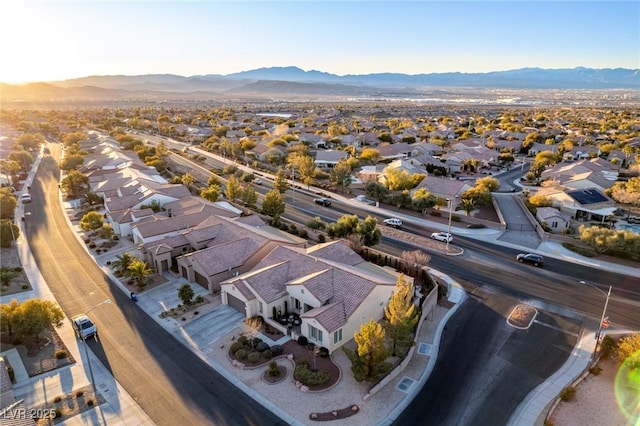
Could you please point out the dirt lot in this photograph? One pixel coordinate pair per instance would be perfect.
(9, 258)
(38, 355)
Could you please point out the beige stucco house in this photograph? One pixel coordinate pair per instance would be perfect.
(328, 288)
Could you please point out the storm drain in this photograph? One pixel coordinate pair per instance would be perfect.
(405, 384)
(424, 349)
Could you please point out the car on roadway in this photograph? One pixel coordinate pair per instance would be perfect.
(442, 236)
(323, 201)
(26, 197)
(257, 181)
(532, 258)
(393, 222)
(83, 326)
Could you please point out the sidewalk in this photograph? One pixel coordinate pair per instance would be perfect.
(119, 407)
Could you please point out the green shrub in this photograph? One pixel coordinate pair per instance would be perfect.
(277, 350)
(568, 393)
(79, 393)
(255, 342)
(60, 354)
(89, 402)
(25, 286)
(595, 370)
(324, 352)
(476, 226)
(303, 233)
(58, 413)
(242, 339)
(302, 341)
(267, 354)
(92, 245)
(273, 370)
(435, 213)
(57, 399)
(321, 238)
(455, 218)
(18, 269)
(308, 377)
(253, 357)
(580, 250)
(241, 354)
(262, 346)
(235, 347)
(607, 347)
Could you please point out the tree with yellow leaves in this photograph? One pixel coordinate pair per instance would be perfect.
(401, 315)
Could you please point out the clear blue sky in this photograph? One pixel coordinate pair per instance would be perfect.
(53, 40)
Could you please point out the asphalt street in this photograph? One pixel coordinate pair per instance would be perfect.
(169, 382)
(485, 367)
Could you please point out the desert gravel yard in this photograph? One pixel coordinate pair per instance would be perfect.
(595, 402)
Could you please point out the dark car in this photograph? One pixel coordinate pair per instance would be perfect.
(323, 201)
(534, 259)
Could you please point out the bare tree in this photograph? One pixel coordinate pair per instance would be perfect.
(414, 261)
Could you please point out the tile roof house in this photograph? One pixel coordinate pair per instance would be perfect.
(219, 248)
(328, 159)
(555, 219)
(329, 287)
(445, 188)
(589, 204)
(595, 172)
(395, 151)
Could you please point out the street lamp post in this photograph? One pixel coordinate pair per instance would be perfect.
(293, 186)
(604, 310)
(450, 202)
(86, 350)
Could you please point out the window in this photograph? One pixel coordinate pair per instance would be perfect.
(337, 336)
(260, 307)
(315, 334)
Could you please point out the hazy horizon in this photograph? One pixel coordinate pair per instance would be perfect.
(55, 40)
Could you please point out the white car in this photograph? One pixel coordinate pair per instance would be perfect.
(257, 181)
(26, 197)
(83, 326)
(393, 221)
(442, 236)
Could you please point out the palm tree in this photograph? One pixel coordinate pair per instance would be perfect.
(139, 271)
(6, 275)
(123, 262)
(468, 205)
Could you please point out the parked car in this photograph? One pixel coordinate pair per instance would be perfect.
(532, 258)
(26, 197)
(323, 201)
(442, 236)
(83, 326)
(394, 222)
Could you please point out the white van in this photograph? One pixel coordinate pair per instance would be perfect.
(394, 221)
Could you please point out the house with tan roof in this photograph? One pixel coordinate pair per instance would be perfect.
(221, 247)
(595, 172)
(553, 218)
(445, 188)
(329, 288)
(395, 151)
(327, 160)
(588, 204)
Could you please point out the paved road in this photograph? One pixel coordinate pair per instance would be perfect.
(485, 367)
(169, 382)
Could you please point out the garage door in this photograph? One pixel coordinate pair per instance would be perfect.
(236, 303)
(202, 280)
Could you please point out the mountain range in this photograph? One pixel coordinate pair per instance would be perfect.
(293, 82)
